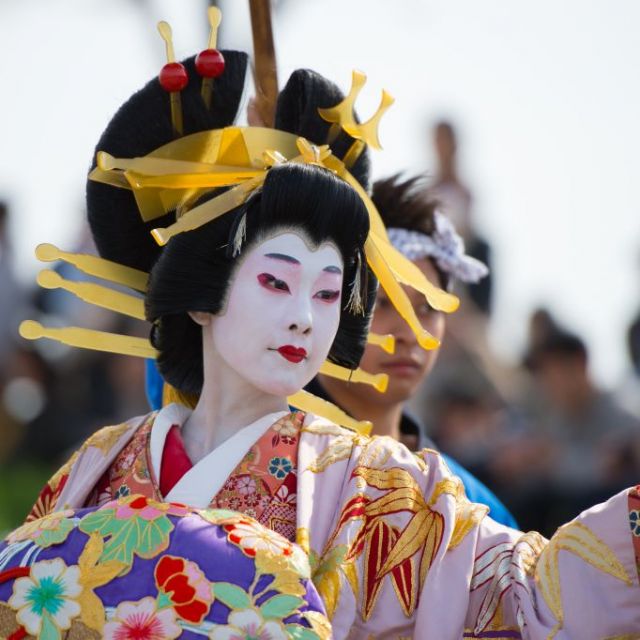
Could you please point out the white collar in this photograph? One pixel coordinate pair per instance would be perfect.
(203, 481)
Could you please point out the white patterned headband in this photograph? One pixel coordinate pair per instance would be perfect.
(444, 246)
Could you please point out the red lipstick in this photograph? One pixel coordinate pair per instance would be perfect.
(291, 353)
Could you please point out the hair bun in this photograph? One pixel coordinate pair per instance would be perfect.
(297, 112)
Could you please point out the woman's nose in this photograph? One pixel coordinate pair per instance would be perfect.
(301, 322)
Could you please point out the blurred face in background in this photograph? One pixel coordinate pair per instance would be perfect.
(410, 363)
(563, 379)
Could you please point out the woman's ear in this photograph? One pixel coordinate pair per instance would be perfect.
(203, 318)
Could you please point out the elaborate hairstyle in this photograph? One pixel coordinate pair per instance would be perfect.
(193, 271)
(404, 205)
(142, 124)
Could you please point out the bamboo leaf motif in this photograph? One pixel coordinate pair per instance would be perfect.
(380, 544)
(578, 539)
(384, 479)
(431, 544)
(405, 499)
(412, 539)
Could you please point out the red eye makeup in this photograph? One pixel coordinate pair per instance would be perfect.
(269, 281)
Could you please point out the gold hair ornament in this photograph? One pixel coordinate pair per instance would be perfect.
(177, 174)
(133, 307)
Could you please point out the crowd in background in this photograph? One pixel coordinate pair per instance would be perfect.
(542, 435)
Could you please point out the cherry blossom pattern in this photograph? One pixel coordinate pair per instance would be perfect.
(46, 599)
(252, 537)
(249, 624)
(142, 621)
(285, 430)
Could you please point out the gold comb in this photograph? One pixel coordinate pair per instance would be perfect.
(94, 266)
(309, 403)
(94, 294)
(89, 339)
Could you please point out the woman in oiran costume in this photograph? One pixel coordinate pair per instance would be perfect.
(255, 289)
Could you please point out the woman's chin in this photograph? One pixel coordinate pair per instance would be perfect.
(281, 388)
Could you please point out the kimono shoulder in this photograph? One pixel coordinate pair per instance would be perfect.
(70, 486)
(397, 550)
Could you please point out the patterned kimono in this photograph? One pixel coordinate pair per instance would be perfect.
(396, 549)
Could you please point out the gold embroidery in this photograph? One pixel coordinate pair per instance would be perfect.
(578, 539)
(338, 450)
(327, 429)
(350, 571)
(378, 450)
(394, 478)
(303, 539)
(8, 623)
(319, 624)
(106, 437)
(326, 577)
(94, 575)
(529, 547)
(468, 514)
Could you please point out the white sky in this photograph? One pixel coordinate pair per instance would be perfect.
(545, 95)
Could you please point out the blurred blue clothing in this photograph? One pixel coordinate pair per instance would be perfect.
(478, 492)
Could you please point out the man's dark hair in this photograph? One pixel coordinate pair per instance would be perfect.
(403, 204)
(560, 344)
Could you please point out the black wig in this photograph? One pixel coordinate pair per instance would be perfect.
(193, 271)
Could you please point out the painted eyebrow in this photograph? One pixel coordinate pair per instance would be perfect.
(282, 256)
(291, 260)
(332, 269)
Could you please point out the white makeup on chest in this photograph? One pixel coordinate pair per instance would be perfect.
(282, 313)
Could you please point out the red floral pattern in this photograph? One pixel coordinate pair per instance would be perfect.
(185, 586)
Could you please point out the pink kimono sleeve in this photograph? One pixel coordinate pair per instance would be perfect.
(581, 584)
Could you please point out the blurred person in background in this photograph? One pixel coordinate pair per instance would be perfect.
(468, 366)
(456, 200)
(425, 236)
(628, 393)
(580, 444)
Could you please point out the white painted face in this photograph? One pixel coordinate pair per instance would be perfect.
(282, 313)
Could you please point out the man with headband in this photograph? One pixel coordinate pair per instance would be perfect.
(427, 237)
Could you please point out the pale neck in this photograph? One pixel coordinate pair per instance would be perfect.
(386, 418)
(227, 404)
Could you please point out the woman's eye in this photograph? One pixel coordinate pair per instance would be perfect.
(327, 295)
(271, 282)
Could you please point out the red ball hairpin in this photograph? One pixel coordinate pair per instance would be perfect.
(210, 62)
(173, 79)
